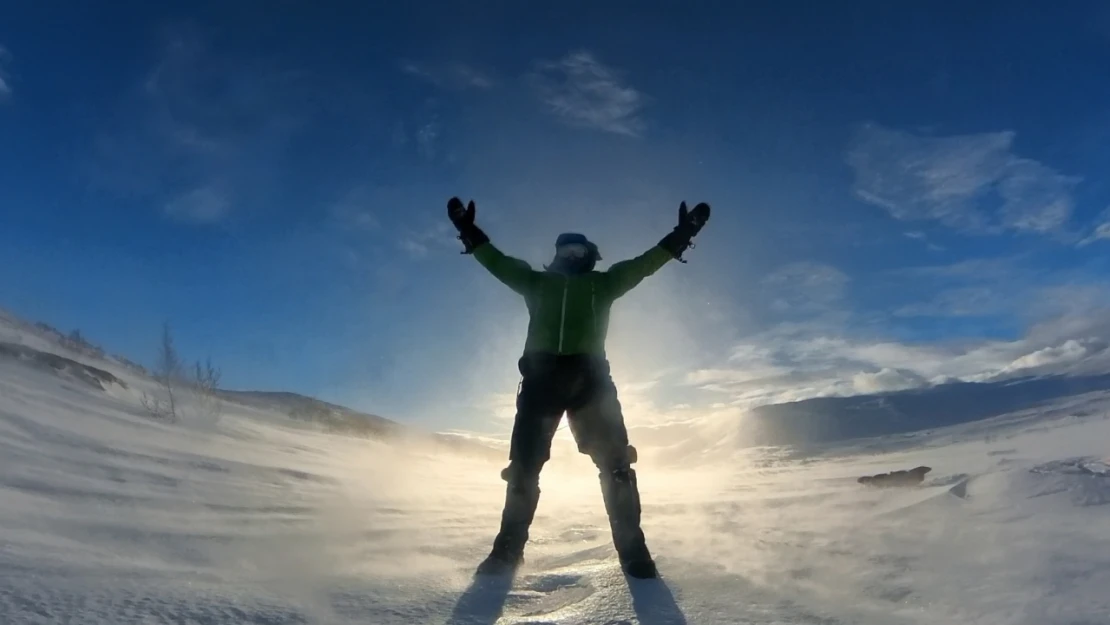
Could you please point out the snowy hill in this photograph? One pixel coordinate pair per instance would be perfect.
(73, 357)
(342, 420)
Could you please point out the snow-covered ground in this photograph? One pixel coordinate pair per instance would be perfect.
(109, 517)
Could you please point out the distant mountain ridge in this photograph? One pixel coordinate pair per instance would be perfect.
(343, 420)
(826, 419)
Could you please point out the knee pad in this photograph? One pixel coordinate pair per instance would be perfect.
(616, 461)
(623, 475)
(520, 479)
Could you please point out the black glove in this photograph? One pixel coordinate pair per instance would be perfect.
(689, 224)
(463, 219)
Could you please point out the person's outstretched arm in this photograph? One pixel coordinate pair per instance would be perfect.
(625, 275)
(513, 272)
(622, 277)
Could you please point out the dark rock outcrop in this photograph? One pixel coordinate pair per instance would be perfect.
(913, 477)
(60, 365)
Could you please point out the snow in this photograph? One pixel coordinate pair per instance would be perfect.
(109, 517)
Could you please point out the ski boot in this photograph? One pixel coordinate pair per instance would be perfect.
(622, 504)
(636, 561)
(521, 497)
(506, 556)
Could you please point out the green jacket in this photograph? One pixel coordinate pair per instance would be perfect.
(569, 314)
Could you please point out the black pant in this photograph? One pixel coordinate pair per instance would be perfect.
(580, 386)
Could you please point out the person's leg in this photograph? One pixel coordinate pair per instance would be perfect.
(599, 430)
(537, 417)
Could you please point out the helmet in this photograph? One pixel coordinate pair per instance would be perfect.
(576, 245)
(574, 253)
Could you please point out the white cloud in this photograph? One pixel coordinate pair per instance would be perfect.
(1035, 198)
(886, 380)
(199, 206)
(1101, 230)
(454, 75)
(791, 362)
(723, 377)
(921, 236)
(581, 91)
(832, 351)
(1063, 355)
(973, 183)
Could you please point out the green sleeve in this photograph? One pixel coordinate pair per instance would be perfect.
(625, 275)
(513, 272)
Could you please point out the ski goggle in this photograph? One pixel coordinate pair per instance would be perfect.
(572, 251)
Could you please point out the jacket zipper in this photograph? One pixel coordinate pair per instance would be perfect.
(563, 313)
(593, 306)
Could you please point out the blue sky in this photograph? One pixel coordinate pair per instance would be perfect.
(901, 195)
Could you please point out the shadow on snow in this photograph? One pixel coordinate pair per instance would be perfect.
(483, 601)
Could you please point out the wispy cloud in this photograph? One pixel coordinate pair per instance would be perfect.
(426, 137)
(988, 268)
(776, 367)
(203, 205)
(581, 91)
(354, 209)
(777, 370)
(356, 223)
(414, 247)
(970, 301)
(419, 244)
(833, 350)
(921, 236)
(1067, 332)
(976, 287)
(453, 75)
(804, 287)
(5, 89)
(974, 183)
(1061, 356)
(1100, 231)
(203, 128)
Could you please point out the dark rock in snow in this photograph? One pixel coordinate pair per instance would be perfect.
(913, 477)
(61, 365)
